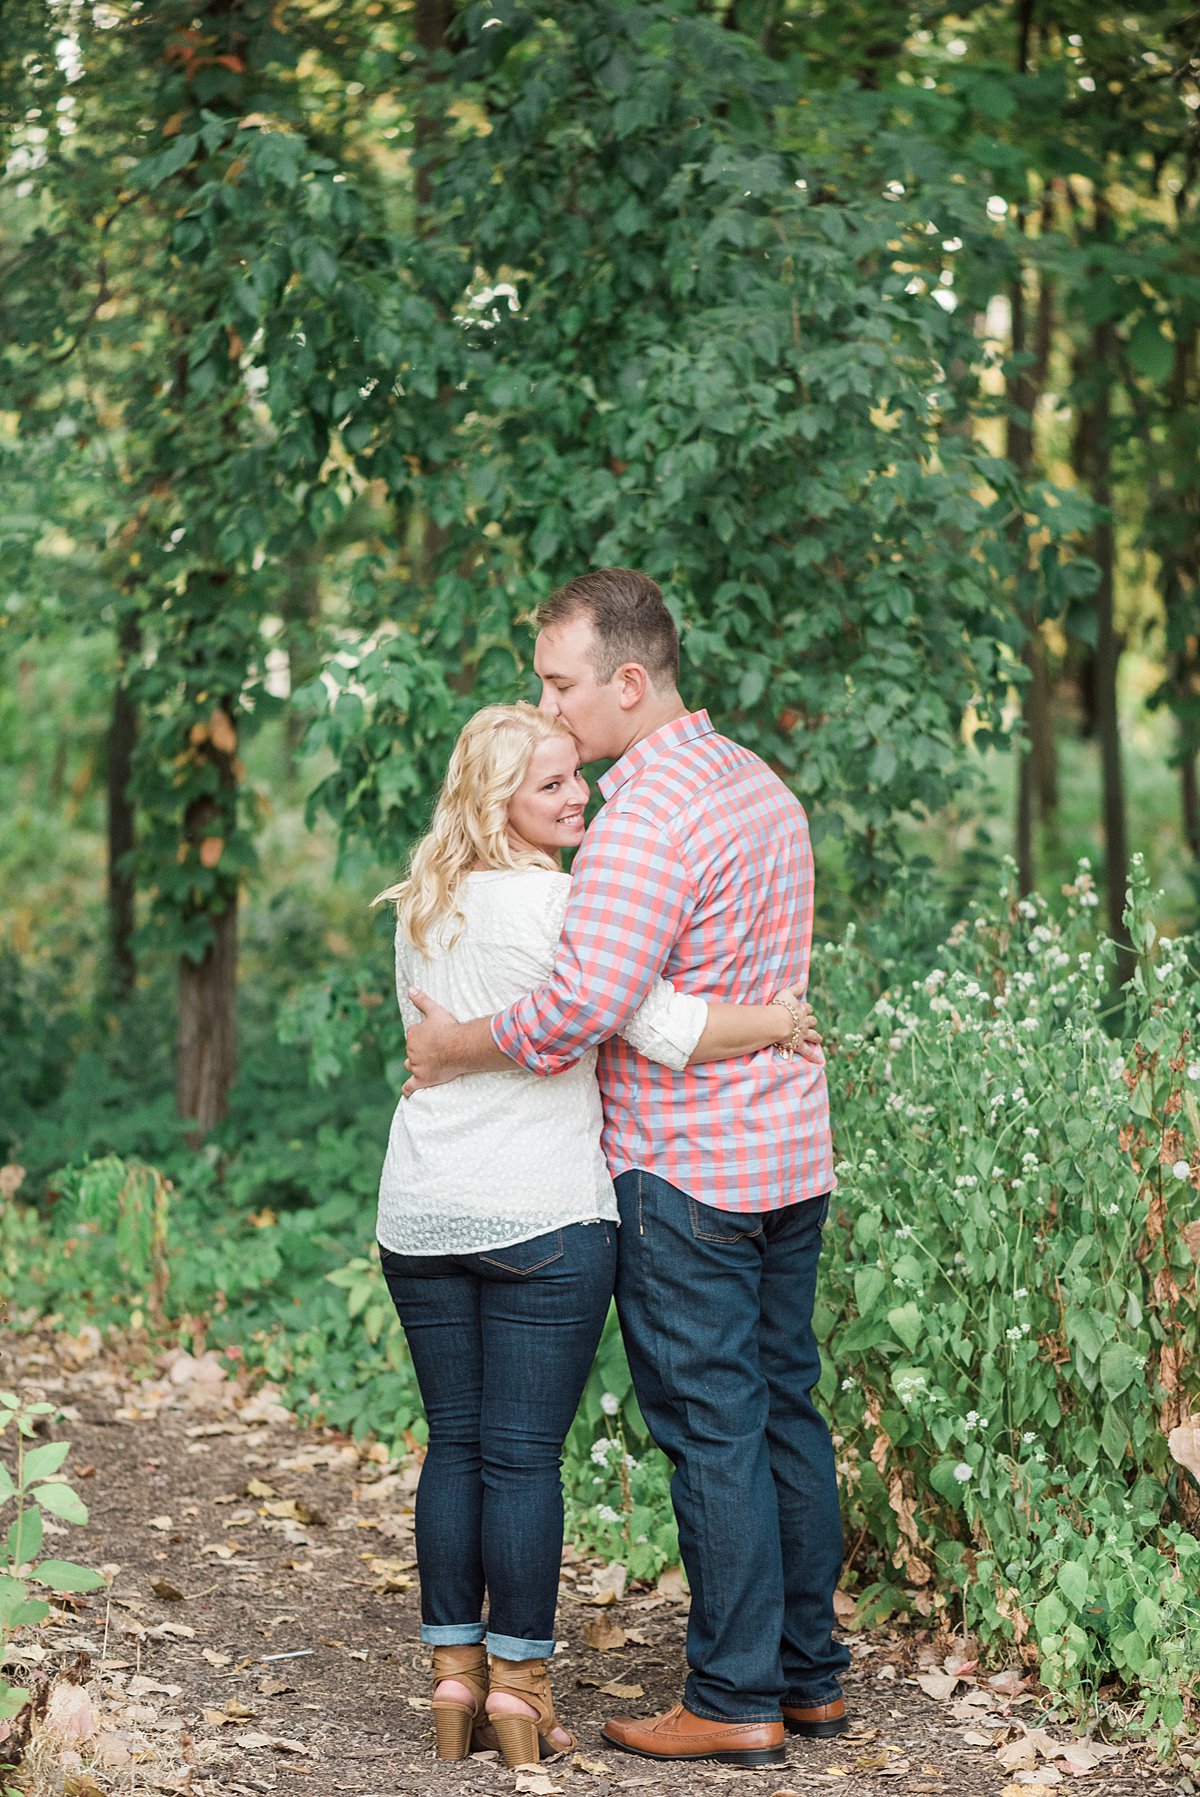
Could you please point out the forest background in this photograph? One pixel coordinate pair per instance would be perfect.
(331, 339)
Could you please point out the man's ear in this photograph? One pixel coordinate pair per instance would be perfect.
(631, 682)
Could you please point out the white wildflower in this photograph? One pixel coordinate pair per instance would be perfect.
(962, 1472)
(610, 1403)
(1182, 1169)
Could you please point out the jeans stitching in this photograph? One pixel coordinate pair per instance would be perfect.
(704, 1235)
(494, 1261)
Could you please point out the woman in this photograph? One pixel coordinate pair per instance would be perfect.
(497, 1221)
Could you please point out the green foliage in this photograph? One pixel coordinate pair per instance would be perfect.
(30, 1491)
(1011, 1320)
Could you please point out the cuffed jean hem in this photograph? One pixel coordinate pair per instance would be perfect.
(452, 1634)
(511, 1647)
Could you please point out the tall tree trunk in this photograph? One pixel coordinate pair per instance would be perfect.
(1094, 449)
(206, 1044)
(122, 739)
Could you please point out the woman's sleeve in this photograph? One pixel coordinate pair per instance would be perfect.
(404, 979)
(666, 1025)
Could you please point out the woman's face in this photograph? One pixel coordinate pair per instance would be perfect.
(546, 811)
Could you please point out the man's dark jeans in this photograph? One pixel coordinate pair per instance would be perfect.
(716, 1310)
(501, 1343)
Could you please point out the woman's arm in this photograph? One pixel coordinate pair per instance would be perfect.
(681, 1030)
(743, 1029)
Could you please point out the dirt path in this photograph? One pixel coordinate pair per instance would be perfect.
(259, 1633)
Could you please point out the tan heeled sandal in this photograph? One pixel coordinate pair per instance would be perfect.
(458, 1727)
(526, 1739)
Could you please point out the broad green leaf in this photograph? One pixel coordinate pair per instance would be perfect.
(61, 1501)
(1150, 352)
(869, 1283)
(907, 1324)
(24, 1538)
(65, 1575)
(41, 1462)
(1072, 1581)
(1120, 1365)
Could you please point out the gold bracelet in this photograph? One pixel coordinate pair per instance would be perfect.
(787, 1049)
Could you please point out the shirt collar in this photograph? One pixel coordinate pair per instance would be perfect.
(648, 748)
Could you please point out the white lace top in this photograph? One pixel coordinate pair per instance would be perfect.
(498, 1158)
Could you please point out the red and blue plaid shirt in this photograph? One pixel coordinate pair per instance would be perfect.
(699, 868)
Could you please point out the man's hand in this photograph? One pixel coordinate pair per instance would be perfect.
(430, 1046)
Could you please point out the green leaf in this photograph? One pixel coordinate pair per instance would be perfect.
(1073, 1582)
(1150, 352)
(1120, 1365)
(24, 1538)
(906, 1323)
(60, 1500)
(65, 1575)
(868, 1285)
(13, 1699)
(1049, 1616)
(41, 1462)
(12, 1594)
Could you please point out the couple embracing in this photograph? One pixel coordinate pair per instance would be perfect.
(647, 1112)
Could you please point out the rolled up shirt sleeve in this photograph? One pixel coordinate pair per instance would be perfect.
(631, 895)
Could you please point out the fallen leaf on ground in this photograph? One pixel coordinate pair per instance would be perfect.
(895, 1768)
(252, 1739)
(71, 1715)
(596, 1766)
(1008, 1683)
(163, 1523)
(1045, 1775)
(940, 1685)
(170, 1594)
(217, 1718)
(1184, 1443)
(671, 1584)
(260, 1489)
(844, 1607)
(603, 1634)
(536, 1784)
(613, 1689)
(170, 1631)
(141, 1686)
(1029, 1790)
(274, 1687)
(216, 1659)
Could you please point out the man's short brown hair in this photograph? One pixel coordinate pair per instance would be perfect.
(629, 618)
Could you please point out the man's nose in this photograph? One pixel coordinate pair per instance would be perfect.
(547, 702)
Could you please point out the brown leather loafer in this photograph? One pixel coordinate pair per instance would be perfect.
(816, 1720)
(681, 1736)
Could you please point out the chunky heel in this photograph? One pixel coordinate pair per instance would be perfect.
(453, 1726)
(526, 1739)
(518, 1738)
(459, 1727)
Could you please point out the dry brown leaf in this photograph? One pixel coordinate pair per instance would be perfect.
(141, 1686)
(939, 1685)
(1184, 1443)
(536, 1784)
(1030, 1790)
(671, 1584)
(162, 1523)
(628, 1692)
(238, 1710)
(214, 1658)
(895, 1768)
(217, 1718)
(170, 1594)
(604, 1634)
(258, 1488)
(254, 1738)
(594, 1766)
(844, 1607)
(273, 1687)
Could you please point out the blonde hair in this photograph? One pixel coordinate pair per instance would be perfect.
(470, 819)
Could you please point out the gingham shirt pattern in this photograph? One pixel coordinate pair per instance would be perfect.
(699, 868)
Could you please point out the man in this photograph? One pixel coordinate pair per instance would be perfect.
(699, 867)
